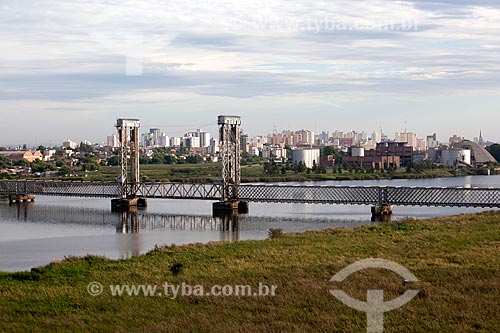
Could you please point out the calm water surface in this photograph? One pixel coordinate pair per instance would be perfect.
(35, 234)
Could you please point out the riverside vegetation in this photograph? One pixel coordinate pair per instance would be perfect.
(210, 172)
(455, 258)
(164, 166)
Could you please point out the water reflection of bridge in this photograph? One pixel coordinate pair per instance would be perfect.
(132, 221)
(229, 226)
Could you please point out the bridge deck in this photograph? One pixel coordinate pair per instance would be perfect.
(349, 195)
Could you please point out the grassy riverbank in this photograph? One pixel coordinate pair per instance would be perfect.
(209, 172)
(456, 258)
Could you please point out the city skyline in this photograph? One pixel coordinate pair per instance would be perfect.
(70, 70)
(443, 139)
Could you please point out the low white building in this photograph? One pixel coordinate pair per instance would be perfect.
(274, 152)
(49, 154)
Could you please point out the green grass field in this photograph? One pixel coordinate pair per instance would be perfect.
(209, 172)
(456, 259)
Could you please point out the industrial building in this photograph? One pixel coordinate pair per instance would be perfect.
(452, 157)
(455, 157)
(479, 155)
(371, 160)
(308, 156)
(390, 154)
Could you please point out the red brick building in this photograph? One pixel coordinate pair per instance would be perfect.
(386, 155)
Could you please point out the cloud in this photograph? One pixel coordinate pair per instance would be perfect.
(73, 53)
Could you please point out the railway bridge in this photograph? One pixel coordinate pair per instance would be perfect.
(230, 194)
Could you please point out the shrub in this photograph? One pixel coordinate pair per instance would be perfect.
(176, 268)
(275, 233)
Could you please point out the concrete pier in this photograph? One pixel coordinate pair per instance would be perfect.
(243, 207)
(230, 206)
(382, 210)
(127, 204)
(381, 218)
(15, 198)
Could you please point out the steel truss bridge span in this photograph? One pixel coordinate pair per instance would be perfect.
(110, 190)
(372, 195)
(60, 188)
(308, 194)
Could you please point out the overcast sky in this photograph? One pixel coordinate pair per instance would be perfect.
(68, 69)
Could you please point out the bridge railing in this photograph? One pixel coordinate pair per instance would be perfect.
(371, 195)
(444, 196)
(110, 190)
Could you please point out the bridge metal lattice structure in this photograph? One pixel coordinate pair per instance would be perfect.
(181, 191)
(372, 195)
(229, 144)
(61, 188)
(347, 195)
(128, 136)
(110, 190)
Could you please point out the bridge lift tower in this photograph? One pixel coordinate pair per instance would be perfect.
(129, 178)
(229, 149)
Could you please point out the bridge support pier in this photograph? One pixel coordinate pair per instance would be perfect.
(118, 205)
(243, 207)
(381, 211)
(230, 206)
(16, 198)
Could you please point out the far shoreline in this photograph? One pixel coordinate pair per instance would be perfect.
(209, 173)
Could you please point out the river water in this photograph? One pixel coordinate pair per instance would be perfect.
(34, 234)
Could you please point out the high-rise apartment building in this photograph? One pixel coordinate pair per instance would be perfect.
(409, 137)
(112, 141)
(432, 141)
